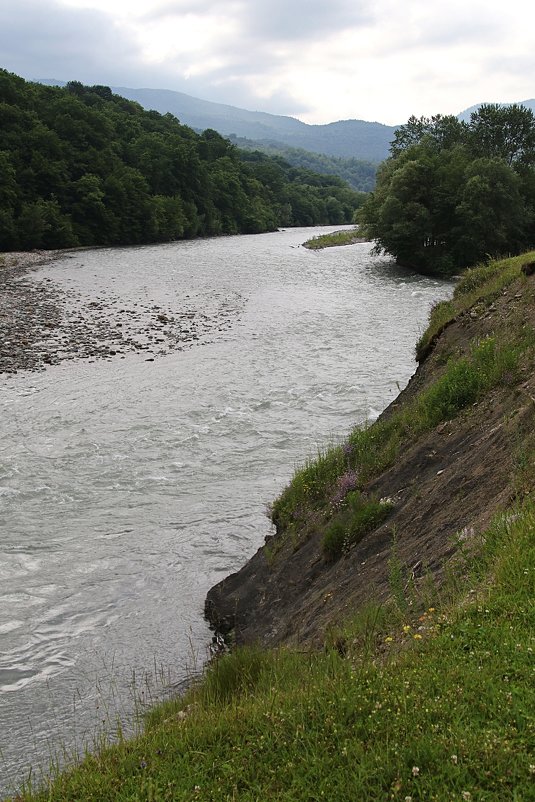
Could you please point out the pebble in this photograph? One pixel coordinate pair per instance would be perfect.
(41, 324)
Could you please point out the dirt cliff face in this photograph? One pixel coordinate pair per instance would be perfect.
(445, 484)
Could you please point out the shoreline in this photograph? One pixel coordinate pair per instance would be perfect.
(43, 324)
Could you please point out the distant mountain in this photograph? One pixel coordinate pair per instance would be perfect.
(367, 141)
(465, 115)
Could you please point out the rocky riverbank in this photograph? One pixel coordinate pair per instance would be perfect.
(41, 324)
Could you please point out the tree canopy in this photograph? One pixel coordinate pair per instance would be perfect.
(82, 166)
(454, 193)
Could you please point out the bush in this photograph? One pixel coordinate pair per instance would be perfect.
(352, 524)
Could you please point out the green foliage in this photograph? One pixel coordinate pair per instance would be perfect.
(232, 675)
(360, 175)
(82, 166)
(333, 240)
(452, 194)
(483, 283)
(349, 526)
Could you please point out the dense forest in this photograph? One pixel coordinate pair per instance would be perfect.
(82, 166)
(359, 174)
(453, 193)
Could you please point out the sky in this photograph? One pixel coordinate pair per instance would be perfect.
(318, 60)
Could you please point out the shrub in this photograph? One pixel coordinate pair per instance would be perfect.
(352, 524)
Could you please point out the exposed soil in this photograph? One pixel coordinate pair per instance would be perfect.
(41, 324)
(446, 487)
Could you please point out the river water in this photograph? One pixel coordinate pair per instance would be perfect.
(129, 487)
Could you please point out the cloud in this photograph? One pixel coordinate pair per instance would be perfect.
(326, 60)
(283, 21)
(39, 40)
(273, 21)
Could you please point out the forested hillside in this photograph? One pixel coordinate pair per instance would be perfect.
(344, 138)
(360, 175)
(82, 166)
(454, 193)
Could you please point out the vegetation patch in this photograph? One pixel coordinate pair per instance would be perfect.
(359, 174)
(478, 285)
(348, 526)
(453, 194)
(83, 166)
(334, 239)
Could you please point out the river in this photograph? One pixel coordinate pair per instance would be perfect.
(129, 487)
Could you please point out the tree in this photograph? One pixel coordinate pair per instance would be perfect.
(451, 195)
(504, 132)
(441, 132)
(492, 216)
(80, 164)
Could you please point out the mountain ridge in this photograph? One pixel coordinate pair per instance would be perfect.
(368, 141)
(348, 138)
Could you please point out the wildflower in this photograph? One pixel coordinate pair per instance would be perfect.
(389, 639)
(532, 768)
(408, 799)
(417, 637)
(345, 483)
(466, 795)
(454, 759)
(430, 609)
(407, 628)
(415, 771)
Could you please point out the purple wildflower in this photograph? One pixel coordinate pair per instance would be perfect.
(345, 483)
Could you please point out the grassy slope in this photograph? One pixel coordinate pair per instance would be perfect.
(428, 697)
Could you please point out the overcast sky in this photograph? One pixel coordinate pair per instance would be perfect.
(319, 60)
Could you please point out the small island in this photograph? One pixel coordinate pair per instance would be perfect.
(333, 239)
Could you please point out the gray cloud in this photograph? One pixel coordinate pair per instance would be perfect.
(47, 40)
(516, 66)
(270, 44)
(275, 21)
(284, 20)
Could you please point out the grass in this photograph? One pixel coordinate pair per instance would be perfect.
(333, 240)
(465, 378)
(348, 526)
(479, 285)
(440, 707)
(369, 450)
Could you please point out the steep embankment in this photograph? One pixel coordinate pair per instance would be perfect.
(433, 470)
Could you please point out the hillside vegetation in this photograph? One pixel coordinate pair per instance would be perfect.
(360, 175)
(345, 138)
(393, 606)
(454, 193)
(82, 166)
